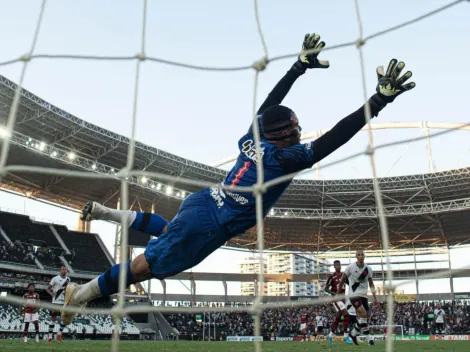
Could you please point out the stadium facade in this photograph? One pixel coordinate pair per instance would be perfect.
(253, 265)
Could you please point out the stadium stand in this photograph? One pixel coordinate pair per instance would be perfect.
(85, 248)
(37, 250)
(21, 228)
(49, 256)
(36, 242)
(17, 253)
(11, 320)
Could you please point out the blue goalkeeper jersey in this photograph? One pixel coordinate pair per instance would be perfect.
(236, 211)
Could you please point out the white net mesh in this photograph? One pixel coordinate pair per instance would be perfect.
(258, 189)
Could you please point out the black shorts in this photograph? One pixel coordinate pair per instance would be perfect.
(360, 301)
(319, 329)
(439, 326)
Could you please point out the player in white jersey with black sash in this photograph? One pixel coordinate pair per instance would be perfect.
(319, 326)
(56, 289)
(439, 320)
(359, 276)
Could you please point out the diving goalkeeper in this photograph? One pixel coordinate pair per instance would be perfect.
(209, 218)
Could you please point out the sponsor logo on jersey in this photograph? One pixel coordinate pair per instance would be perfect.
(237, 197)
(218, 196)
(249, 149)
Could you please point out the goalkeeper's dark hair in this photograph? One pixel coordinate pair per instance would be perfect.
(278, 122)
(276, 118)
(336, 261)
(31, 284)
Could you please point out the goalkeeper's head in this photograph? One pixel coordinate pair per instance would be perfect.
(280, 126)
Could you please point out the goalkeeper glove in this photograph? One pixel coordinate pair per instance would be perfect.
(310, 59)
(390, 85)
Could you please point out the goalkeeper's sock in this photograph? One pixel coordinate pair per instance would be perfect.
(152, 224)
(104, 285)
(100, 212)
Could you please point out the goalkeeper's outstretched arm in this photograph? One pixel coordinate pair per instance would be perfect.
(305, 61)
(299, 157)
(390, 86)
(279, 92)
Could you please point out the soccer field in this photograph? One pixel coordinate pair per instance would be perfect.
(125, 346)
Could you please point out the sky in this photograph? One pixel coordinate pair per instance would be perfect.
(201, 115)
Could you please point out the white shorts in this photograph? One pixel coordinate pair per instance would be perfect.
(350, 308)
(303, 326)
(31, 317)
(339, 306)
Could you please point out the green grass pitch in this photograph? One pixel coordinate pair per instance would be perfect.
(183, 346)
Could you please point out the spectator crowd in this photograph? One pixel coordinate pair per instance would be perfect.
(284, 322)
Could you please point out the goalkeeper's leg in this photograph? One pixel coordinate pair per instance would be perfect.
(151, 224)
(192, 235)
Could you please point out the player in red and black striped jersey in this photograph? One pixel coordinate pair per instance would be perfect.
(332, 288)
(304, 323)
(31, 313)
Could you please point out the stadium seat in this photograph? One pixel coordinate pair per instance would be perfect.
(87, 252)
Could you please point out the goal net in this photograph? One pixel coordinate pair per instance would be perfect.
(128, 173)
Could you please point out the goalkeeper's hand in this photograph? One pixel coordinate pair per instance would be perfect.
(390, 84)
(308, 59)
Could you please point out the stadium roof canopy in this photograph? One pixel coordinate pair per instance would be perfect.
(422, 210)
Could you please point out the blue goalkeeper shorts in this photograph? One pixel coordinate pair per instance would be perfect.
(191, 236)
